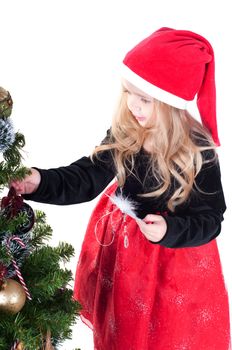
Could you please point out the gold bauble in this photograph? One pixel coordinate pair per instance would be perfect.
(12, 296)
(48, 344)
(20, 346)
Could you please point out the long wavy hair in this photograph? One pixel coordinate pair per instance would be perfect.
(176, 141)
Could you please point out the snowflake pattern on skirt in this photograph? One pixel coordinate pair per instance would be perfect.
(147, 296)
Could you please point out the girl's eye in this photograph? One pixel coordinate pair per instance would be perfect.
(126, 91)
(144, 100)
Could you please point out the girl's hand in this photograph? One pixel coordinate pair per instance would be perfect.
(29, 184)
(153, 227)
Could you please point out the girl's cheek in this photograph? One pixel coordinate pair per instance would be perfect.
(150, 110)
(147, 110)
(129, 103)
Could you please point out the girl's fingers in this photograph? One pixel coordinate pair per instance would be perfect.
(18, 186)
(153, 227)
(152, 218)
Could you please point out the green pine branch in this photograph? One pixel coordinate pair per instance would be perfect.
(65, 251)
(10, 225)
(13, 154)
(41, 231)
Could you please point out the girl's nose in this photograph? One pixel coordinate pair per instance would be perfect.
(137, 108)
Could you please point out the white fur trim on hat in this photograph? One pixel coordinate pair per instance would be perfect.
(151, 89)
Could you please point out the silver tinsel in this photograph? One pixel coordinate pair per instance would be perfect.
(7, 135)
(19, 253)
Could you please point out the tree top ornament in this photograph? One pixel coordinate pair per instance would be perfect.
(6, 103)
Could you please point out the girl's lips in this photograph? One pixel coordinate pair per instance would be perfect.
(141, 119)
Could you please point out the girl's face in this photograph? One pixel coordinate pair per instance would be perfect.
(141, 105)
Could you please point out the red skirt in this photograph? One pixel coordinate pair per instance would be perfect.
(145, 296)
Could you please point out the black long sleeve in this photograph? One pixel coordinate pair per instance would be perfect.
(200, 221)
(79, 182)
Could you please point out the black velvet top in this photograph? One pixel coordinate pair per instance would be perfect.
(193, 223)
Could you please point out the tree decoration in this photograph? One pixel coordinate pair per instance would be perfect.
(6, 103)
(13, 205)
(17, 245)
(7, 135)
(17, 270)
(12, 296)
(18, 346)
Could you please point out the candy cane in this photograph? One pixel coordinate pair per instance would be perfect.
(18, 273)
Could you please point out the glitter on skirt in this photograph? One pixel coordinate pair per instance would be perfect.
(146, 296)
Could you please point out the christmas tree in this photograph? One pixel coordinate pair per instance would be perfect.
(37, 310)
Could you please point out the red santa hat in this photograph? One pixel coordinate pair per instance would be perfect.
(174, 66)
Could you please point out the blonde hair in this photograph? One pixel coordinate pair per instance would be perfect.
(176, 142)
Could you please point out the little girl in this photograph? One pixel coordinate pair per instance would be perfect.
(149, 274)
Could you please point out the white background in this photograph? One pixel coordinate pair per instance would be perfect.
(59, 59)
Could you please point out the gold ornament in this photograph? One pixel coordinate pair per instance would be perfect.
(12, 296)
(20, 346)
(6, 103)
(48, 344)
